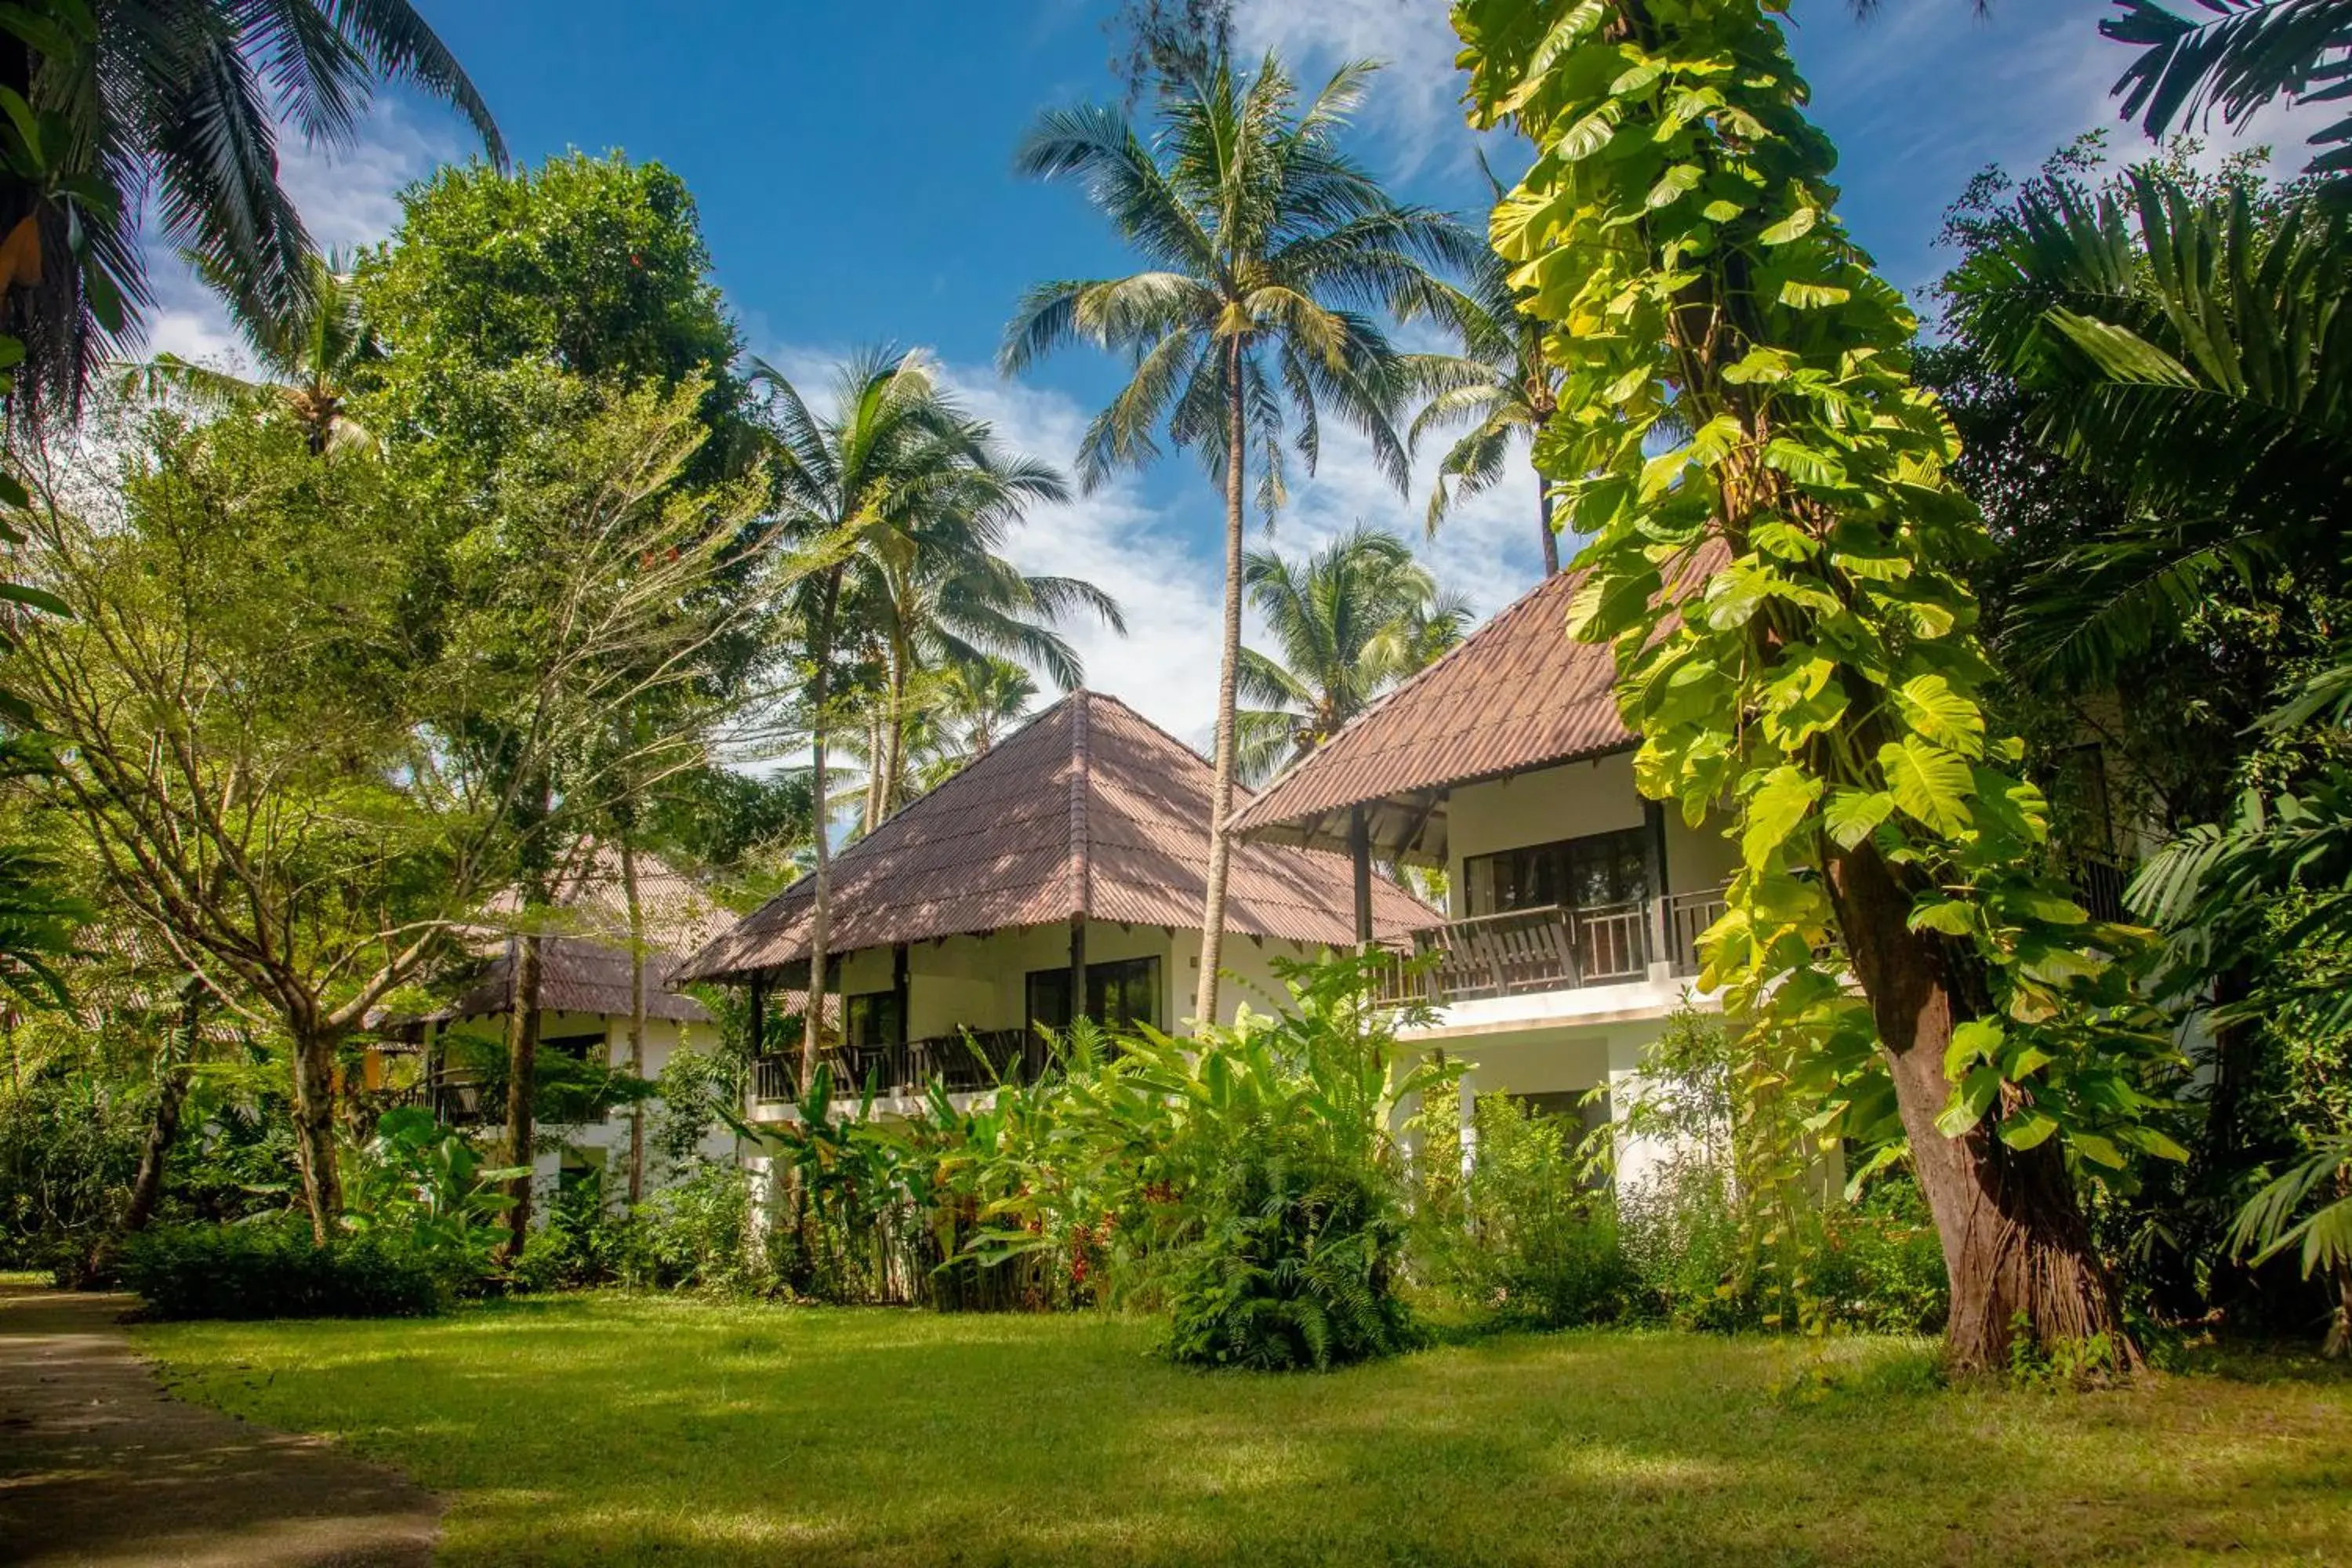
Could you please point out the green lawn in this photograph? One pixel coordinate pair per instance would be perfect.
(619, 1429)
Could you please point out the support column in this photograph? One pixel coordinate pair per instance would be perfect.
(759, 1015)
(1469, 1125)
(1662, 932)
(1078, 967)
(1360, 851)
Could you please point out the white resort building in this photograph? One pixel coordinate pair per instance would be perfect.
(1060, 874)
(1573, 903)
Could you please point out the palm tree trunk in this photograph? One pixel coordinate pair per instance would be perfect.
(893, 780)
(1543, 519)
(636, 1014)
(821, 910)
(522, 1081)
(874, 745)
(1221, 803)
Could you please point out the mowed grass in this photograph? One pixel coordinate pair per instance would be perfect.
(623, 1429)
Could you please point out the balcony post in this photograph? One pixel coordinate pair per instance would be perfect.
(759, 1015)
(1660, 925)
(1360, 852)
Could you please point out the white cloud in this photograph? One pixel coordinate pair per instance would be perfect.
(1149, 557)
(1415, 105)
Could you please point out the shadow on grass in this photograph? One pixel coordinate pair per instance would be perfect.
(624, 1429)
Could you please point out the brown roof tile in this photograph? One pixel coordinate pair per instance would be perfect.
(1090, 808)
(1516, 694)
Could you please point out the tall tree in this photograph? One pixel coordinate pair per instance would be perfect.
(1500, 383)
(933, 592)
(1264, 245)
(297, 770)
(181, 104)
(1357, 617)
(581, 278)
(892, 456)
(1677, 231)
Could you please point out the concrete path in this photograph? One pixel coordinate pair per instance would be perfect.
(98, 1465)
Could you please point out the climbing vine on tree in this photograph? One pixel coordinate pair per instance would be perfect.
(1775, 552)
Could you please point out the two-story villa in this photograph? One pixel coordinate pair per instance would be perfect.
(1061, 874)
(1573, 903)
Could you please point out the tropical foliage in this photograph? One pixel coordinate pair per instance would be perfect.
(1677, 232)
(1356, 617)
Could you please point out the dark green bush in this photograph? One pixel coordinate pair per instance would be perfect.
(1882, 1266)
(1523, 1237)
(275, 1270)
(1294, 1267)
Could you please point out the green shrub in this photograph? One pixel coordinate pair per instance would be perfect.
(1686, 1241)
(275, 1270)
(1523, 1237)
(1293, 1268)
(697, 1234)
(1882, 1266)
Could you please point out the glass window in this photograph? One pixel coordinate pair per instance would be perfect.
(1599, 869)
(875, 1019)
(1121, 993)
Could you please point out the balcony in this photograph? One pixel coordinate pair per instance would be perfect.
(964, 1062)
(1558, 948)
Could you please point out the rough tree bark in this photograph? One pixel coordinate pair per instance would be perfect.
(2013, 1234)
(1220, 797)
(314, 1124)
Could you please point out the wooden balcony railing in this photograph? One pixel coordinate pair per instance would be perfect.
(1552, 949)
(965, 1062)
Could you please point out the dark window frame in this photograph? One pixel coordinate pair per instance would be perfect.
(858, 1020)
(1133, 976)
(1547, 876)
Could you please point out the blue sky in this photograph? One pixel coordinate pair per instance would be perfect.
(853, 167)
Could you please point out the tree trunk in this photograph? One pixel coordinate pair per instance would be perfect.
(314, 1129)
(522, 1079)
(163, 1132)
(2016, 1248)
(636, 1015)
(1543, 518)
(875, 745)
(894, 794)
(821, 894)
(1221, 802)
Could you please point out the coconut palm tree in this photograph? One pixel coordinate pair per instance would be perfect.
(935, 594)
(1360, 615)
(308, 360)
(1264, 245)
(891, 454)
(980, 701)
(1500, 385)
(179, 103)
